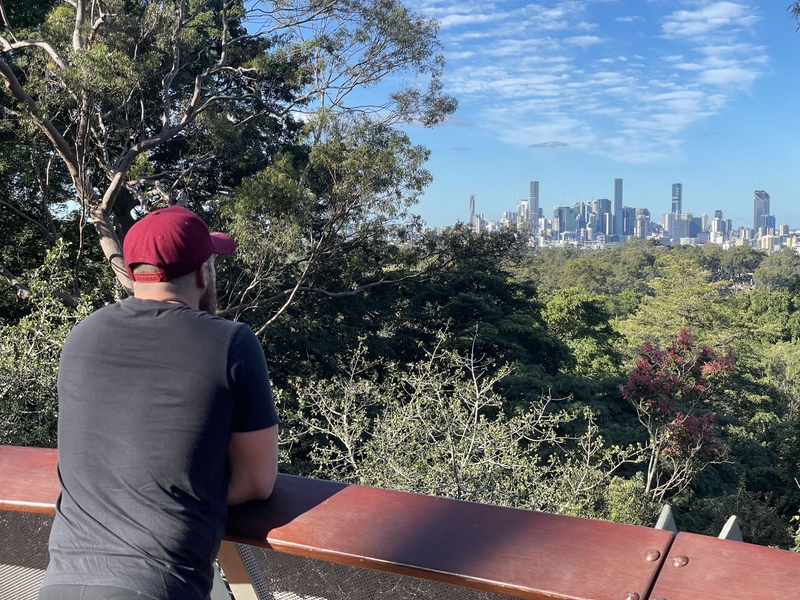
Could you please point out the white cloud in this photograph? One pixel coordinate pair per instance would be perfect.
(708, 19)
(584, 41)
(455, 20)
(729, 76)
(460, 55)
(536, 74)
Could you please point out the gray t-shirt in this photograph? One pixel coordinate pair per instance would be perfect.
(149, 394)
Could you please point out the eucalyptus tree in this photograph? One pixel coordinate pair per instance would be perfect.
(141, 104)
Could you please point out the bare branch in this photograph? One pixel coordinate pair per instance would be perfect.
(22, 290)
(44, 187)
(313, 290)
(80, 17)
(48, 236)
(6, 22)
(8, 46)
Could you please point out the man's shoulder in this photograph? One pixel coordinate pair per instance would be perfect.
(162, 315)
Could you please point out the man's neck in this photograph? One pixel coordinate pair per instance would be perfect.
(146, 292)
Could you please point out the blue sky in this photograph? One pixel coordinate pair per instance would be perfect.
(574, 93)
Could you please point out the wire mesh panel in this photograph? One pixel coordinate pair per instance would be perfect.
(278, 576)
(23, 554)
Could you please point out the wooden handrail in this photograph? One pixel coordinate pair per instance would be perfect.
(518, 552)
(700, 566)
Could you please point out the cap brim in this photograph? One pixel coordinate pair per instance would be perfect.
(223, 243)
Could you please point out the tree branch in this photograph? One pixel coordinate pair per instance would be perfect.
(54, 135)
(314, 290)
(80, 17)
(8, 46)
(48, 236)
(22, 290)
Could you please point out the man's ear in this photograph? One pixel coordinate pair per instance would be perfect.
(201, 277)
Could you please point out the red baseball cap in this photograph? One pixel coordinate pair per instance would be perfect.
(173, 239)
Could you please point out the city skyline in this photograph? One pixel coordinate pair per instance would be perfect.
(760, 207)
(574, 93)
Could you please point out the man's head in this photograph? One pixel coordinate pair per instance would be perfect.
(169, 255)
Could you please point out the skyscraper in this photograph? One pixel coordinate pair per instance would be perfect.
(602, 206)
(618, 206)
(533, 205)
(471, 208)
(760, 208)
(523, 211)
(677, 198)
(564, 219)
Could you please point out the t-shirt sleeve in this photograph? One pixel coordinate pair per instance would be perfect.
(253, 406)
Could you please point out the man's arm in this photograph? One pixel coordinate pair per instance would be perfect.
(253, 459)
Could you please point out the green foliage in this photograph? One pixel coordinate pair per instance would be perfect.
(29, 354)
(740, 262)
(626, 501)
(796, 547)
(758, 517)
(438, 426)
(777, 271)
(580, 321)
(680, 296)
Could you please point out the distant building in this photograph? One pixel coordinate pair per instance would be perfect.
(580, 215)
(533, 202)
(564, 219)
(471, 208)
(668, 222)
(523, 211)
(600, 208)
(677, 198)
(617, 206)
(642, 225)
(760, 208)
(628, 220)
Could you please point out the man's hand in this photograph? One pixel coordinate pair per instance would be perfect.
(253, 459)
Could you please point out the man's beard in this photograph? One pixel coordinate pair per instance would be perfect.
(208, 301)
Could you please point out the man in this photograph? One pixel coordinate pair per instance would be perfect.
(165, 417)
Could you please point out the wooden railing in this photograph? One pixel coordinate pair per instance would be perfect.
(509, 551)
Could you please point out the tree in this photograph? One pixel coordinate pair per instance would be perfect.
(29, 354)
(438, 426)
(777, 271)
(469, 286)
(669, 389)
(581, 321)
(152, 103)
(739, 263)
(681, 297)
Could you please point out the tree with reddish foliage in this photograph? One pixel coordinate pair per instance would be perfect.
(669, 388)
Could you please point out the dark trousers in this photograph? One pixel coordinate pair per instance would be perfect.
(89, 592)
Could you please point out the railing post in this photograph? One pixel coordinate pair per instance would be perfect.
(236, 572)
